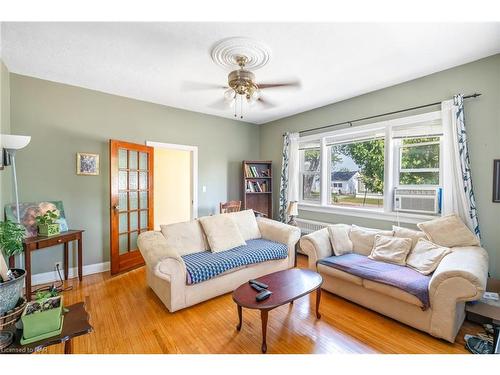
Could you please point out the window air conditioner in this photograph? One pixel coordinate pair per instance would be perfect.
(418, 200)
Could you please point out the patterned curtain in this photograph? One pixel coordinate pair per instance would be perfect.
(458, 193)
(284, 178)
(463, 151)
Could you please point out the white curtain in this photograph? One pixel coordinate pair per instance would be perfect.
(289, 184)
(458, 192)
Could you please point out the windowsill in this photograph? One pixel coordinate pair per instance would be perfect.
(377, 214)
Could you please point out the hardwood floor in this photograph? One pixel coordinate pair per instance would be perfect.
(128, 318)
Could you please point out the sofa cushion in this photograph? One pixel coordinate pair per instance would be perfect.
(449, 231)
(363, 238)
(400, 277)
(393, 292)
(206, 265)
(391, 249)
(222, 232)
(247, 224)
(415, 235)
(186, 238)
(330, 271)
(426, 256)
(339, 238)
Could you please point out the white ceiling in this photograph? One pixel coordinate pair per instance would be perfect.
(151, 61)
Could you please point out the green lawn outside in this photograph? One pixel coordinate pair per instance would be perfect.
(351, 200)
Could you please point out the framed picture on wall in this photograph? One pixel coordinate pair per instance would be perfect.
(496, 181)
(87, 164)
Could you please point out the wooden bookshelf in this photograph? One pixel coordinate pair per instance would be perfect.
(258, 186)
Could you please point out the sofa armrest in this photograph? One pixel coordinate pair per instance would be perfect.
(466, 265)
(283, 233)
(317, 246)
(160, 257)
(461, 276)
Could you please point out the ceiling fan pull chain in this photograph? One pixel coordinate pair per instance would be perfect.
(241, 106)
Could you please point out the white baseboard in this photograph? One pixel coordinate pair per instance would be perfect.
(48, 277)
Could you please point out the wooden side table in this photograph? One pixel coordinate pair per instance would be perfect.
(36, 243)
(76, 323)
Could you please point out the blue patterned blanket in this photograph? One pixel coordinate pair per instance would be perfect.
(391, 274)
(205, 265)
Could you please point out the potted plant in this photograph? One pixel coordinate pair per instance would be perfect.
(43, 317)
(11, 281)
(47, 223)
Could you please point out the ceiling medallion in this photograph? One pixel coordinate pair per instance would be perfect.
(226, 52)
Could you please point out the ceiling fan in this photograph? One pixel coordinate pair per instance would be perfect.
(241, 88)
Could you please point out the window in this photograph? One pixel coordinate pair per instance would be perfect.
(419, 161)
(310, 172)
(364, 164)
(357, 173)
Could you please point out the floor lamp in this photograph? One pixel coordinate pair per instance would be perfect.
(10, 144)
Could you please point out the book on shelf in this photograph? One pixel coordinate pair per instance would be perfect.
(253, 172)
(257, 187)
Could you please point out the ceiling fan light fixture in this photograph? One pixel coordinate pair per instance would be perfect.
(229, 95)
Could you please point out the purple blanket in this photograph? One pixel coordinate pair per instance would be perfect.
(400, 277)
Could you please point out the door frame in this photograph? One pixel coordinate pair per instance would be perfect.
(194, 170)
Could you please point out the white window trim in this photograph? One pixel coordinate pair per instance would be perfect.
(391, 164)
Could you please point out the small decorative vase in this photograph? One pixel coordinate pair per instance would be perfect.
(47, 230)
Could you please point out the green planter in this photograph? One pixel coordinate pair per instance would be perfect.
(42, 324)
(48, 230)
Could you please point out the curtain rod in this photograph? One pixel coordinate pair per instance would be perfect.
(475, 95)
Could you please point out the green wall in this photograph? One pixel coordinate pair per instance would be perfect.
(5, 174)
(482, 120)
(63, 120)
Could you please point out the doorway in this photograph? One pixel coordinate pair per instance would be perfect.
(175, 183)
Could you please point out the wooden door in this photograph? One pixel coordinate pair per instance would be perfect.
(131, 211)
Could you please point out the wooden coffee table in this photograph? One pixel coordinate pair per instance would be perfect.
(287, 286)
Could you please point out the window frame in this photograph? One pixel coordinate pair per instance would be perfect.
(391, 165)
(398, 162)
(303, 172)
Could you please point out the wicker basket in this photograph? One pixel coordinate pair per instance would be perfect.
(12, 316)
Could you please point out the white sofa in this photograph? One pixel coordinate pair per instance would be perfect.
(166, 270)
(461, 276)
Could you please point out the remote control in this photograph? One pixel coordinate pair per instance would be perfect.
(262, 285)
(263, 295)
(256, 287)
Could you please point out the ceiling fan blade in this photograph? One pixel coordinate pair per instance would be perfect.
(220, 104)
(190, 86)
(266, 103)
(278, 84)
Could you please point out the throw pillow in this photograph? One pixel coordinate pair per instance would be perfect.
(415, 235)
(186, 238)
(247, 224)
(449, 231)
(391, 249)
(426, 256)
(363, 238)
(339, 238)
(222, 232)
